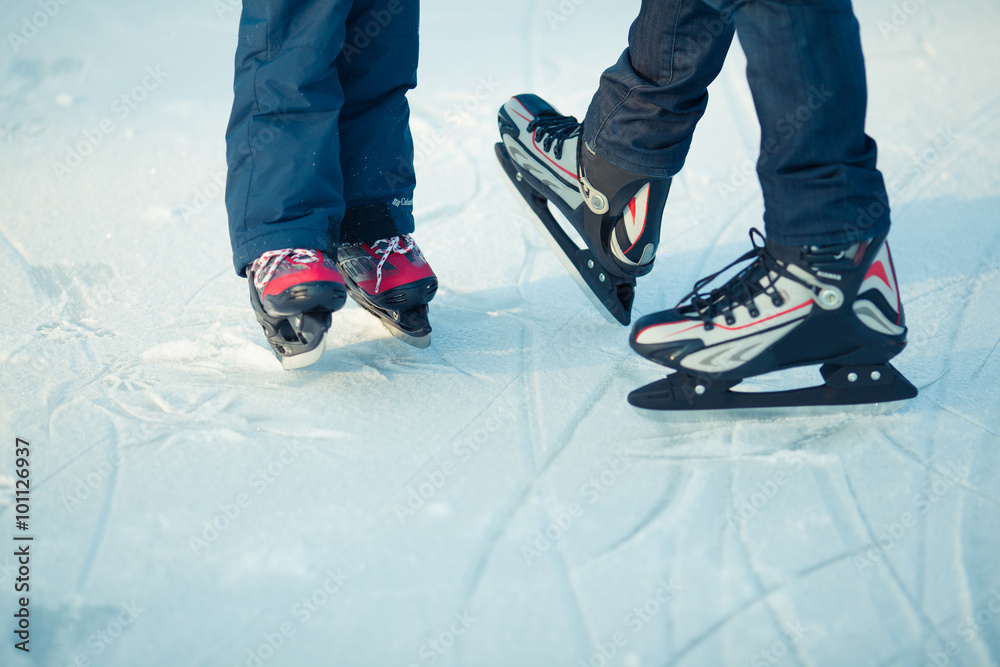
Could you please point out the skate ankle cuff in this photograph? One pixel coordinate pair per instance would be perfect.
(367, 224)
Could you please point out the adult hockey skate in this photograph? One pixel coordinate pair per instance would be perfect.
(395, 290)
(791, 306)
(616, 212)
(293, 293)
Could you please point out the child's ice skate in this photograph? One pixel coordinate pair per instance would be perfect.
(391, 279)
(838, 306)
(293, 293)
(616, 212)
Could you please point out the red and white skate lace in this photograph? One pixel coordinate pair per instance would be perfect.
(264, 266)
(392, 245)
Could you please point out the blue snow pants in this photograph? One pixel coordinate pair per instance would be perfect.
(318, 145)
(807, 76)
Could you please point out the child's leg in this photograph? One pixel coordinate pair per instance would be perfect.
(283, 145)
(377, 67)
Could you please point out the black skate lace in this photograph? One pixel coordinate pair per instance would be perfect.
(553, 128)
(741, 289)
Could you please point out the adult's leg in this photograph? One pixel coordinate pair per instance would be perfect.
(643, 116)
(377, 67)
(817, 165)
(282, 144)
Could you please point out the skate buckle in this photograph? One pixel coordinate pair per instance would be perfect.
(596, 201)
(830, 298)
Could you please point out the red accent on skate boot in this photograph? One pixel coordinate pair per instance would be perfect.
(634, 219)
(318, 272)
(877, 269)
(895, 285)
(393, 263)
(396, 272)
(542, 151)
(860, 252)
(697, 324)
(877, 272)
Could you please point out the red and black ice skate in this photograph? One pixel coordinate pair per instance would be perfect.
(391, 279)
(293, 292)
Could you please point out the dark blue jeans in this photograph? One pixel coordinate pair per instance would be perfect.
(807, 75)
(320, 124)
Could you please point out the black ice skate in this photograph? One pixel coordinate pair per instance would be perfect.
(616, 212)
(293, 293)
(792, 306)
(391, 279)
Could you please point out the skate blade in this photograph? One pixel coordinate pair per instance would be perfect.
(549, 234)
(726, 416)
(870, 385)
(309, 358)
(418, 340)
(421, 342)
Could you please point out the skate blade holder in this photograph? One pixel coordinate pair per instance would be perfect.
(310, 331)
(879, 385)
(611, 296)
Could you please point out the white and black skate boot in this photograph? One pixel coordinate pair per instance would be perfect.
(838, 306)
(293, 293)
(616, 212)
(391, 279)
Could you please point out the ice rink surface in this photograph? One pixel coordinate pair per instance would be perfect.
(491, 500)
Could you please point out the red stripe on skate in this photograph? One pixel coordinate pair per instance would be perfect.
(895, 286)
(632, 207)
(558, 166)
(877, 269)
(521, 115)
(318, 273)
(723, 326)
